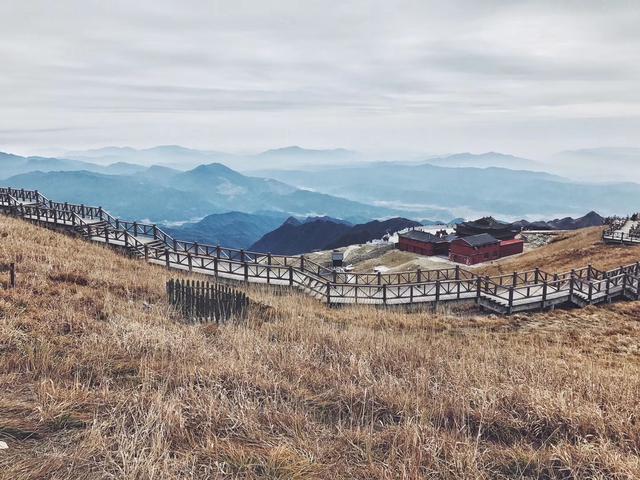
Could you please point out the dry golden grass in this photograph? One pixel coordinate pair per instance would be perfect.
(99, 381)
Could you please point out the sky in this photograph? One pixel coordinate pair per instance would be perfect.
(523, 77)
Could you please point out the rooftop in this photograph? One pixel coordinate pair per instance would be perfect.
(480, 240)
(428, 237)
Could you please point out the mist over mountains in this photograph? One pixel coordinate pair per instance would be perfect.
(500, 191)
(178, 185)
(179, 157)
(599, 164)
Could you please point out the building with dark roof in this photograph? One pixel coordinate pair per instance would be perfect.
(474, 249)
(468, 250)
(425, 243)
(489, 225)
(482, 248)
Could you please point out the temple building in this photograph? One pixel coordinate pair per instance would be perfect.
(488, 225)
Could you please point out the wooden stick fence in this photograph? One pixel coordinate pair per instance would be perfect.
(11, 268)
(199, 301)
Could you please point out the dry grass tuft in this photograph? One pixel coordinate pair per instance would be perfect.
(99, 381)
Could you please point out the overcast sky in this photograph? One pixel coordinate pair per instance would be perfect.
(522, 77)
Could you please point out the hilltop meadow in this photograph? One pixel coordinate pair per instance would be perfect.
(100, 379)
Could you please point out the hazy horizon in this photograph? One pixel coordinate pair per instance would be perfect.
(426, 77)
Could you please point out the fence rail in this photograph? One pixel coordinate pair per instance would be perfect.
(527, 290)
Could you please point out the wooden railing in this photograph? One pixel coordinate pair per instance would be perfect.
(620, 237)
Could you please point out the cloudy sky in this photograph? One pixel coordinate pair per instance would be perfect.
(525, 77)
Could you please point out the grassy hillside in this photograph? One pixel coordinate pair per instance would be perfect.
(99, 381)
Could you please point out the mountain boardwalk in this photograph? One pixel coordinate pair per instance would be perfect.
(520, 291)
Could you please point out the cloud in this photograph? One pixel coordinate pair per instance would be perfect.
(426, 75)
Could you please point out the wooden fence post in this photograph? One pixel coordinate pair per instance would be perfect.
(12, 275)
(384, 294)
(166, 257)
(290, 276)
(510, 309)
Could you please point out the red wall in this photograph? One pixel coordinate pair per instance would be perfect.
(462, 253)
(511, 247)
(409, 245)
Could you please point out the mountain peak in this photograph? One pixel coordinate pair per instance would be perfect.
(292, 221)
(295, 150)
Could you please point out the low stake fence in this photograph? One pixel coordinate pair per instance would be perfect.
(11, 269)
(199, 301)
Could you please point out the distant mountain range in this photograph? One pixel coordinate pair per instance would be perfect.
(180, 157)
(11, 165)
(465, 190)
(127, 197)
(163, 194)
(591, 219)
(439, 188)
(232, 229)
(489, 159)
(295, 236)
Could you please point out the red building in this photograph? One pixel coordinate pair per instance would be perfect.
(425, 243)
(482, 248)
(474, 249)
(511, 247)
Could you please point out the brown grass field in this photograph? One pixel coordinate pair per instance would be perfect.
(99, 380)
